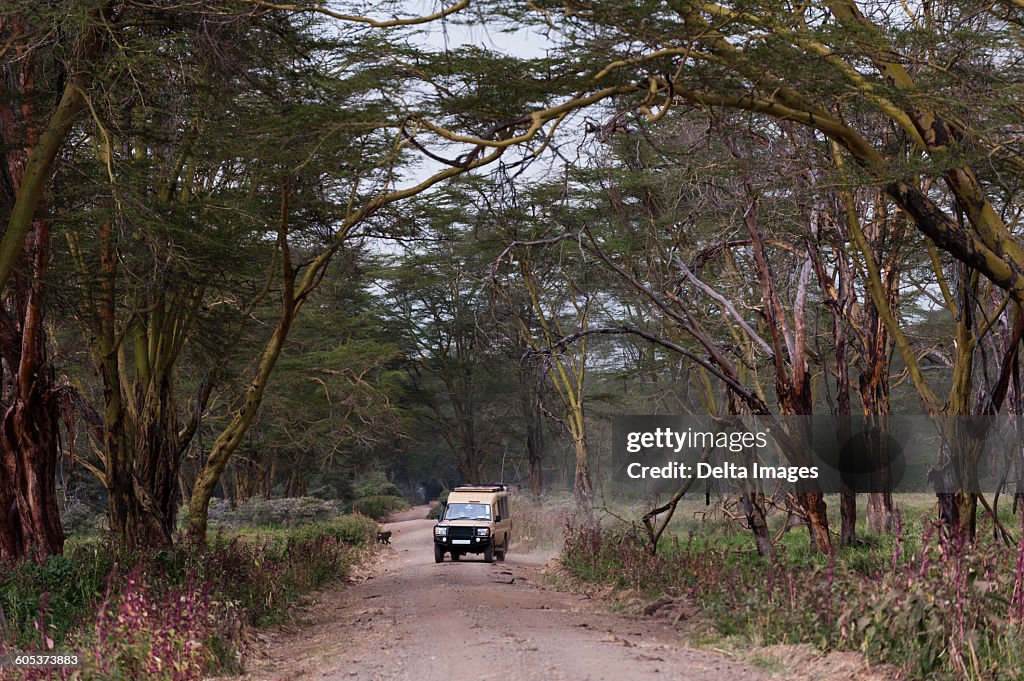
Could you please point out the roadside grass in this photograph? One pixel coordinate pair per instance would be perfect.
(172, 614)
(938, 610)
(540, 525)
(769, 664)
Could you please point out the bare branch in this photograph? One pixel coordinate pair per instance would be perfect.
(375, 23)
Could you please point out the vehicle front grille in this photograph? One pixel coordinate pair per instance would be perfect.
(456, 532)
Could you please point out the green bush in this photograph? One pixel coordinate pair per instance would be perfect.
(379, 506)
(374, 484)
(354, 529)
(64, 587)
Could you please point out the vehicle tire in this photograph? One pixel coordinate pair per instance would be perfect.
(438, 553)
(500, 553)
(489, 553)
(456, 556)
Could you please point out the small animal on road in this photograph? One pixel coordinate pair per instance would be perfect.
(384, 537)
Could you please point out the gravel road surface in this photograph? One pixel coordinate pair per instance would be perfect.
(410, 619)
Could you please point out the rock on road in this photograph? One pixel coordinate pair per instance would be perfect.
(415, 620)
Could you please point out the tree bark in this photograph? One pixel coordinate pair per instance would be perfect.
(535, 447)
(838, 299)
(583, 486)
(30, 416)
(792, 383)
(30, 423)
(142, 470)
(873, 381)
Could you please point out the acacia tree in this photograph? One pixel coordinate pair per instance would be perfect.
(850, 76)
(566, 366)
(339, 400)
(491, 128)
(162, 335)
(769, 59)
(757, 315)
(974, 316)
(161, 226)
(457, 365)
(75, 55)
(543, 283)
(37, 66)
(858, 328)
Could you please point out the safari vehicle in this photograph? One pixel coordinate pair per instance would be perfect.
(475, 519)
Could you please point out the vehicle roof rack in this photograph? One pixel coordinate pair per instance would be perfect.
(497, 487)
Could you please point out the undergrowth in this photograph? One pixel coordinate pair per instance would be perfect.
(939, 609)
(171, 614)
(379, 506)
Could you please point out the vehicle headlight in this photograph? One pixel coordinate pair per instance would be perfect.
(483, 531)
(440, 531)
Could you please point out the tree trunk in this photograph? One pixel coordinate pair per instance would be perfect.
(30, 419)
(30, 426)
(30, 526)
(808, 494)
(752, 498)
(754, 509)
(30, 174)
(813, 504)
(141, 441)
(143, 463)
(795, 403)
(535, 447)
(583, 487)
(227, 441)
(881, 513)
(848, 515)
(536, 469)
(874, 392)
(531, 378)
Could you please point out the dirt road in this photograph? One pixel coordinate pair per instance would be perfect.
(413, 619)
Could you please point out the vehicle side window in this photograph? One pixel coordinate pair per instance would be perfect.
(503, 507)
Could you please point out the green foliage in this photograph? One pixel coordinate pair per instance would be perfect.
(353, 529)
(940, 611)
(336, 416)
(65, 587)
(139, 619)
(379, 506)
(375, 484)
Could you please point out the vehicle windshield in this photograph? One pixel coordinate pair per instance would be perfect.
(468, 512)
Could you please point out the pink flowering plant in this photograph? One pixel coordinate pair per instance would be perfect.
(173, 614)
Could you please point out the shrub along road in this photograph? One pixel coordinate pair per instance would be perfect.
(410, 618)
